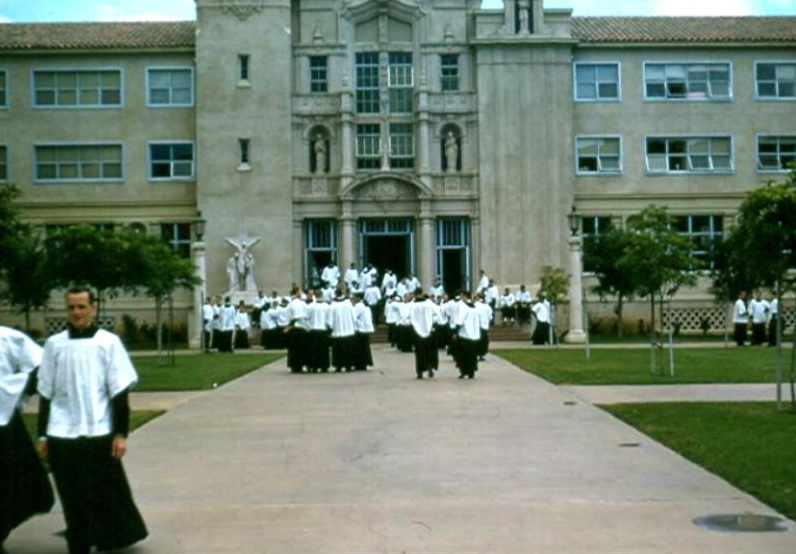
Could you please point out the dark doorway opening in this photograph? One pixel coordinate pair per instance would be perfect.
(318, 259)
(388, 252)
(454, 270)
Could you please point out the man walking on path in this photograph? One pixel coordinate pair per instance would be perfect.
(424, 315)
(26, 490)
(84, 418)
(740, 319)
(758, 310)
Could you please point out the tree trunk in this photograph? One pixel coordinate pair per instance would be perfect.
(620, 306)
(159, 323)
(792, 369)
(652, 333)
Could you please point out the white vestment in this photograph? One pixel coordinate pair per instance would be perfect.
(80, 377)
(19, 355)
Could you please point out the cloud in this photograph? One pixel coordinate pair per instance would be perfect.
(142, 17)
(4, 19)
(690, 7)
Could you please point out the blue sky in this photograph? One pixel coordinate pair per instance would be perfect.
(159, 10)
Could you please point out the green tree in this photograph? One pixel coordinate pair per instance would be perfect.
(603, 252)
(10, 225)
(760, 250)
(28, 281)
(657, 260)
(82, 254)
(553, 284)
(159, 271)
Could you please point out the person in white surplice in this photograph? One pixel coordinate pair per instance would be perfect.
(26, 490)
(84, 417)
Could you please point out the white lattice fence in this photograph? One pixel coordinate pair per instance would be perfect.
(788, 318)
(692, 319)
(57, 324)
(696, 319)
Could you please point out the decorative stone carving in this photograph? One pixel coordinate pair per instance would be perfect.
(242, 9)
(386, 189)
(320, 186)
(317, 35)
(448, 36)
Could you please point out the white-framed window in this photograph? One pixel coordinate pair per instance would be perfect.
(775, 80)
(776, 153)
(169, 87)
(3, 163)
(400, 81)
(78, 162)
(368, 142)
(597, 82)
(171, 161)
(596, 155)
(593, 226)
(244, 151)
(77, 88)
(688, 81)
(243, 67)
(402, 146)
(3, 88)
(178, 236)
(367, 82)
(693, 154)
(449, 72)
(705, 233)
(319, 74)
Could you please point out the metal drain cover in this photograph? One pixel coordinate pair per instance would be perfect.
(747, 523)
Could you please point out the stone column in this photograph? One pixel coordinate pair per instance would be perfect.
(199, 295)
(475, 252)
(347, 146)
(298, 256)
(576, 334)
(424, 146)
(508, 14)
(426, 245)
(348, 252)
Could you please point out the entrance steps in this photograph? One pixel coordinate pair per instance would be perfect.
(497, 333)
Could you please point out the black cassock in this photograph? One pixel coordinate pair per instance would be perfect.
(26, 490)
(95, 494)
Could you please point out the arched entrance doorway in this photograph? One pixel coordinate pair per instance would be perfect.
(388, 244)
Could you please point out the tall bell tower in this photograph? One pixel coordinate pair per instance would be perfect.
(243, 134)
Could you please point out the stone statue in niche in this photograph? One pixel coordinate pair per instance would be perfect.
(451, 152)
(523, 4)
(319, 147)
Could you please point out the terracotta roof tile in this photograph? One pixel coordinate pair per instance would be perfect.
(181, 34)
(684, 29)
(92, 36)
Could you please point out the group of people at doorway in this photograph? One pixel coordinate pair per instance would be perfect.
(228, 327)
(761, 314)
(83, 376)
(225, 327)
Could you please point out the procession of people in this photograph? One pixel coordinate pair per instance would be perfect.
(328, 326)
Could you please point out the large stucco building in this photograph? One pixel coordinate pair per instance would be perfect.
(430, 136)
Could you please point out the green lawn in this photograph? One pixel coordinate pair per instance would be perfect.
(632, 366)
(137, 419)
(749, 444)
(196, 371)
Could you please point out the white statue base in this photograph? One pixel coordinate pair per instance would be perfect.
(248, 297)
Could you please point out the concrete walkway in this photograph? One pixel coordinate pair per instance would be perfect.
(382, 462)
